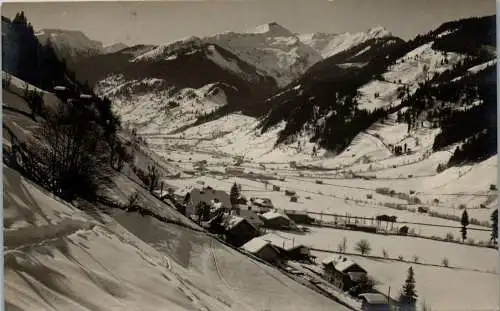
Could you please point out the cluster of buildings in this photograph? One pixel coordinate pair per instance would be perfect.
(245, 225)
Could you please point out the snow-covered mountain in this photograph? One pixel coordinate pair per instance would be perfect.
(271, 48)
(329, 44)
(74, 45)
(331, 105)
(171, 86)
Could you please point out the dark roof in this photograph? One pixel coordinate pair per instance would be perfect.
(251, 216)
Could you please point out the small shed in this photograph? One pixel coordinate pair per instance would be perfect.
(374, 302)
(264, 250)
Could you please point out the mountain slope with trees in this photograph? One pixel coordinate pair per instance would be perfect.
(325, 106)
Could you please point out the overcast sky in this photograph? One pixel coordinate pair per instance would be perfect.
(160, 21)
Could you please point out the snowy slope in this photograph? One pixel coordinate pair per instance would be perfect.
(416, 66)
(160, 111)
(58, 257)
(272, 48)
(329, 44)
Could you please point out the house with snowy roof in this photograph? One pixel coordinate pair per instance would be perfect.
(251, 216)
(264, 250)
(239, 230)
(276, 220)
(289, 249)
(343, 272)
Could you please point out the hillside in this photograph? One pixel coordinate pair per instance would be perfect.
(332, 99)
(169, 75)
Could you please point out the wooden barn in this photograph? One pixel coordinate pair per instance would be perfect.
(264, 250)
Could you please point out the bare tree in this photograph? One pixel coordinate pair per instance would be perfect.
(342, 247)
(363, 246)
(74, 153)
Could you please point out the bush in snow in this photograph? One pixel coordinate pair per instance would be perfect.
(449, 237)
(445, 262)
(400, 258)
(385, 253)
(133, 199)
(441, 167)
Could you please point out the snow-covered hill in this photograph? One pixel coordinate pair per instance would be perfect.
(59, 257)
(329, 44)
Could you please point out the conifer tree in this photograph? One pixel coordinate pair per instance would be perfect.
(408, 296)
(494, 224)
(465, 223)
(234, 194)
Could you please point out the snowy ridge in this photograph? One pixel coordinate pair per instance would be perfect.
(272, 49)
(328, 44)
(164, 50)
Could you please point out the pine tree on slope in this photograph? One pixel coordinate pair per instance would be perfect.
(408, 296)
(465, 223)
(234, 194)
(494, 225)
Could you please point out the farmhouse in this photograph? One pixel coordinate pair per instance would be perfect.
(263, 250)
(275, 220)
(239, 230)
(342, 272)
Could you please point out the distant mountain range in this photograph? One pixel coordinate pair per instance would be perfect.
(74, 45)
(320, 88)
